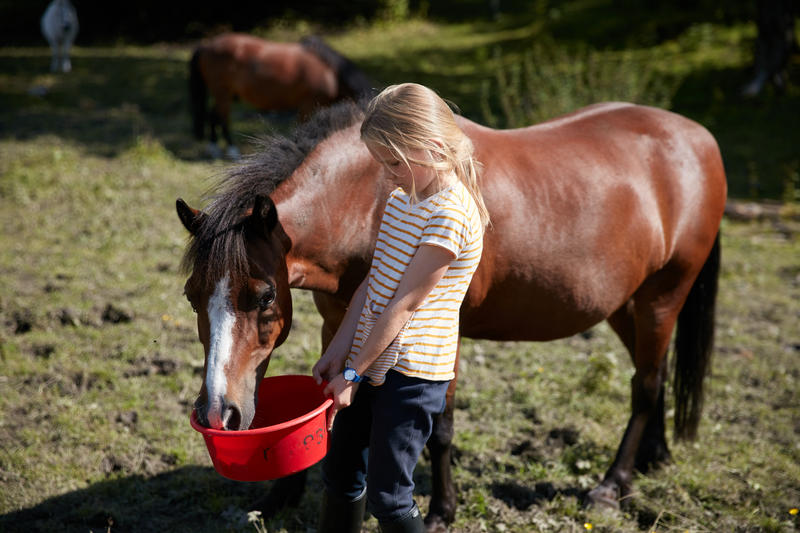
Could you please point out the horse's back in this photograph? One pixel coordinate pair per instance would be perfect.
(584, 208)
(268, 74)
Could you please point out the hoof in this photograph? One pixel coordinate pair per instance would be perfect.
(435, 524)
(603, 497)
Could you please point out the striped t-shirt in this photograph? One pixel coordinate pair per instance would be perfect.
(426, 345)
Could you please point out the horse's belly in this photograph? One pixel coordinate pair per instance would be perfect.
(530, 313)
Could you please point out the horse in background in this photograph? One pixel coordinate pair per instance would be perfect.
(60, 27)
(272, 76)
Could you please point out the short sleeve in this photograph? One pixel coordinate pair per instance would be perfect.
(447, 227)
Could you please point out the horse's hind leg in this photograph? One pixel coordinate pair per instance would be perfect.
(653, 449)
(654, 311)
(442, 508)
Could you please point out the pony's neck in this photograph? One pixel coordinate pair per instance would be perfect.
(330, 209)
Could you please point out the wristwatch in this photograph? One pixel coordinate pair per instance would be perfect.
(351, 375)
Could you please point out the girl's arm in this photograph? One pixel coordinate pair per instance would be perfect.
(332, 361)
(426, 268)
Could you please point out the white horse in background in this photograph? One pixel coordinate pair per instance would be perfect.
(60, 26)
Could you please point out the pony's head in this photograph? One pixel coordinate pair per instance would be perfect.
(238, 286)
(238, 276)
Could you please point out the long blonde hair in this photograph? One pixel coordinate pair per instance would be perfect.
(410, 117)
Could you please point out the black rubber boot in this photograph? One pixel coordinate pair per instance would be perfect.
(340, 515)
(410, 523)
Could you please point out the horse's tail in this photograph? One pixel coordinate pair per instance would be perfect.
(197, 93)
(694, 343)
(354, 82)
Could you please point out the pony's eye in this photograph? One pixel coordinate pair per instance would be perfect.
(267, 298)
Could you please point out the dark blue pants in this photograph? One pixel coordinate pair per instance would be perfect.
(377, 440)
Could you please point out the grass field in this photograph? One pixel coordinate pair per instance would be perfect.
(99, 362)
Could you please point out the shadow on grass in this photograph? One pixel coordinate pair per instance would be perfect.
(187, 499)
(109, 100)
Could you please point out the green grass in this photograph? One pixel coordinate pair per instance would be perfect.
(99, 361)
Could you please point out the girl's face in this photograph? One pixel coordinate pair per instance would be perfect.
(405, 176)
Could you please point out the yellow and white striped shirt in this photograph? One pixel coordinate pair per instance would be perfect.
(426, 345)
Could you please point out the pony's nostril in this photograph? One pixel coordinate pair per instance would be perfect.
(231, 418)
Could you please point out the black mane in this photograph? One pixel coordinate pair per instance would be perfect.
(218, 245)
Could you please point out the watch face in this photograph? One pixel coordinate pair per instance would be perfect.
(349, 374)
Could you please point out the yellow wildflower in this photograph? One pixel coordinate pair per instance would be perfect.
(588, 526)
(794, 511)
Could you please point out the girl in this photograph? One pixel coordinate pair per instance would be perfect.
(392, 358)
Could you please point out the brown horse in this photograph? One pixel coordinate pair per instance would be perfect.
(609, 213)
(271, 76)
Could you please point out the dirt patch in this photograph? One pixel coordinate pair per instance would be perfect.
(115, 315)
(44, 350)
(528, 451)
(22, 321)
(566, 436)
(520, 497)
(69, 317)
(128, 419)
(156, 366)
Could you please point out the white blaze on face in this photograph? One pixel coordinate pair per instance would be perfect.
(221, 321)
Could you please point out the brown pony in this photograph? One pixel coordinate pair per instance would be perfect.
(271, 76)
(609, 213)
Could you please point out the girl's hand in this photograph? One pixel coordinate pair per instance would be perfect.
(343, 392)
(330, 364)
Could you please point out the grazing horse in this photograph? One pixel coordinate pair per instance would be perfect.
(269, 75)
(609, 213)
(60, 26)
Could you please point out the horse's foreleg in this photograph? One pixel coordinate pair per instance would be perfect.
(442, 508)
(286, 492)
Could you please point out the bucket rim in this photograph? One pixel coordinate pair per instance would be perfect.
(324, 406)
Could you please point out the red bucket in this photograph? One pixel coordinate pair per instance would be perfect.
(289, 432)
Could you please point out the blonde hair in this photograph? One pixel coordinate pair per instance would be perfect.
(410, 117)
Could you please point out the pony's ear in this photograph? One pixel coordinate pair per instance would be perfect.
(191, 218)
(265, 215)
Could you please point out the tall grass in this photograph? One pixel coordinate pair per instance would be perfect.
(551, 80)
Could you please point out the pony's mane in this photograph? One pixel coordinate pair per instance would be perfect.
(354, 80)
(218, 244)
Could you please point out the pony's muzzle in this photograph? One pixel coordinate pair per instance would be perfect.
(222, 414)
(231, 418)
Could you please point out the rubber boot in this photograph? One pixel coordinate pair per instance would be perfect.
(411, 522)
(340, 515)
